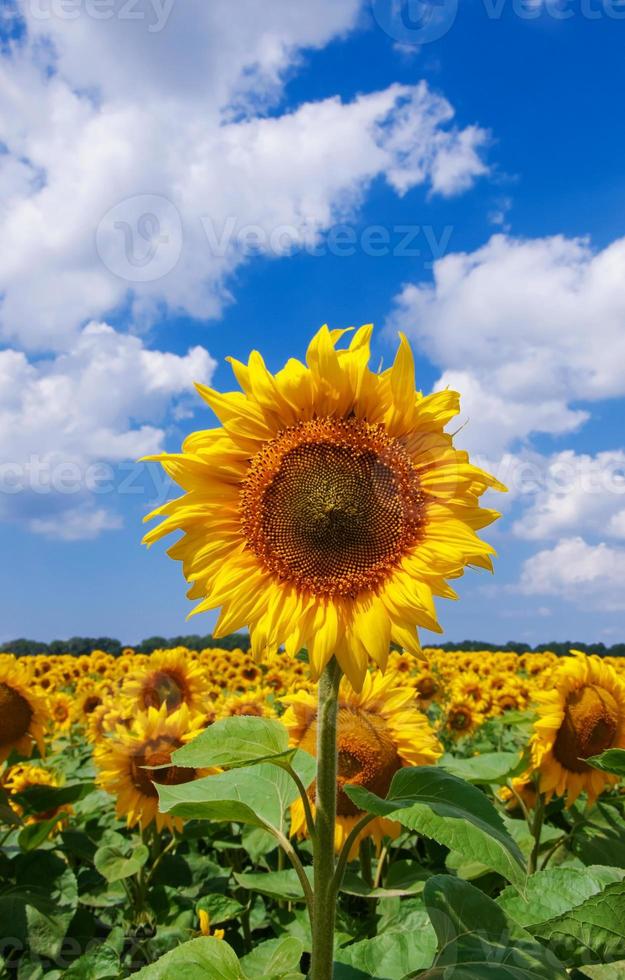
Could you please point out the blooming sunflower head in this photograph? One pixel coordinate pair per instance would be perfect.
(132, 763)
(380, 730)
(328, 508)
(462, 717)
(23, 713)
(60, 707)
(23, 777)
(168, 677)
(581, 716)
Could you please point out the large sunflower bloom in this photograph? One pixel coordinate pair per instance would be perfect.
(380, 730)
(23, 714)
(583, 715)
(131, 763)
(328, 508)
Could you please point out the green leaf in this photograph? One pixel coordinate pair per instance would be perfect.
(220, 908)
(258, 797)
(274, 959)
(477, 941)
(43, 799)
(235, 742)
(610, 971)
(402, 878)
(612, 761)
(490, 767)
(453, 812)
(43, 874)
(98, 964)
(34, 834)
(391, 955)
(197, 959)
(593, 932)
(275, 884)
(121, 859)
(554, 891)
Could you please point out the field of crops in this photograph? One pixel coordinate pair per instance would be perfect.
(471, 765)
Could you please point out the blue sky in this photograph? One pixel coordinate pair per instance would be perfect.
(488, 163)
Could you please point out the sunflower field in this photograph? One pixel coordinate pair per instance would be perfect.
(156, 810)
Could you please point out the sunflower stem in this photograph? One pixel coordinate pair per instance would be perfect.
(324, 895)
(537, 827)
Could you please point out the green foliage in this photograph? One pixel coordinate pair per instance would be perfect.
(477, 941)
(447, 809)
(83, 897)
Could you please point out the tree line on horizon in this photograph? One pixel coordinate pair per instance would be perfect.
(80, 645)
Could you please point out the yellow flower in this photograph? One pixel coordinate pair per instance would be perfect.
(583, 715)
(254, 703)
(125, 759)
(523, 788)
(380, 729)
(60, 706)
(23, 777)
(329, 507)
(205, 928)
(168, 677)
(462, 717)
(23, 714)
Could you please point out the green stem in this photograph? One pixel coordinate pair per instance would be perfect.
(537, 826)
(324, 896)
(310, 820)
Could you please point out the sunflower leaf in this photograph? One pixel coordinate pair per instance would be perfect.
(476, 939)
(391, 955)
(593, 932)
(489, 767)
(612, 761)
(275, 884)
(196, 960)
(118, 860)
(555, 891)
(258, 797)
(233, 742)
(451, 811)
(274, 958)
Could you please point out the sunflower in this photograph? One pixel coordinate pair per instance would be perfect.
(522, 788)
(125, 757)
(254, 703)
(23, 714)
(583, 715)
(168, 677)
(60, 706)
(329, 507)
(21, 778)
(379, 730)
(462, 717)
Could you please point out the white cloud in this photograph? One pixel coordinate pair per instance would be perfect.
(591, 575)
(62, 418)
(576, 493)
(531, 325)
(78, 524)
(143, 159)
(107, 113)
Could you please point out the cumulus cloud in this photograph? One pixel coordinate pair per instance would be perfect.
(529, 325)
(144, 156)
(138, 166)
(591, 575)
(575, 493)
(62, 418)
